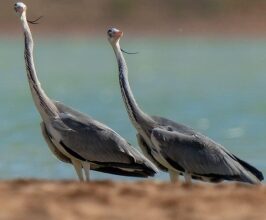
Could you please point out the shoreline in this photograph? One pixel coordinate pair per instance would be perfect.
(44, 199)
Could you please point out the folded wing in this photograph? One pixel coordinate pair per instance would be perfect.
(200, 155)
(95, 142)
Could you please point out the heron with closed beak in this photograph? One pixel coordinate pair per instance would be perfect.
(76, 138)
(174, 147)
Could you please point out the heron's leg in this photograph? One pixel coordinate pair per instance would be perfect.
(173, 176)
(78, 167)
(187, 178)
(87, 167)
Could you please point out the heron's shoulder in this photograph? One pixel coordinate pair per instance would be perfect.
(80, 121)
(172, 125)
(189, 133)
(72, 116)
(62, 108)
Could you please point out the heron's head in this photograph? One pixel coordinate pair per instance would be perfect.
(114, 35)
(20, 8)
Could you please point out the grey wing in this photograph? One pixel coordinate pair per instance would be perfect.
(199, 156)
(94, 141)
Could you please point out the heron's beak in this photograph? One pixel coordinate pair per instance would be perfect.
(17, 9)
(119, 34)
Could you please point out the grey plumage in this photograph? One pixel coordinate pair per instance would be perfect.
(97, 143)
(200, 156)
(177, 148)
(76, 138)
(48, 139)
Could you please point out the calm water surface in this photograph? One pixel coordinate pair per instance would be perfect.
(215, 86)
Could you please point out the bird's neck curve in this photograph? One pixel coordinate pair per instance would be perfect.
(45, 106)
(136, 115)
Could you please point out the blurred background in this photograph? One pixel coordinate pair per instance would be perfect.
(201, 63)
(143, 17)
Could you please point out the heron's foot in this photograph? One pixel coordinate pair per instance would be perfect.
(174, 176)
(78, 167)
(86, 167)
(188, 180)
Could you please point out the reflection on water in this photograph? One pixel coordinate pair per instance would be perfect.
(217, 87)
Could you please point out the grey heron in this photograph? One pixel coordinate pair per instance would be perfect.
(75, 137)
(176, 148)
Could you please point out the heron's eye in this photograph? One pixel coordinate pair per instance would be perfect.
(169, 128)
(110, 32)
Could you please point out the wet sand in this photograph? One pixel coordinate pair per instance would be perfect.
(37, 199)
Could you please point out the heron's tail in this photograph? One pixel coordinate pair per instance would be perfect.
(141, 167)
(254, 171)
(144, 164)
(125, 172)
(149, 168)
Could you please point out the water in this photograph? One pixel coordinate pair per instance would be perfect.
(215, 86)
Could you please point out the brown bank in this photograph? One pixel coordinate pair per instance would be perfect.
(33, 199)
(139, 18)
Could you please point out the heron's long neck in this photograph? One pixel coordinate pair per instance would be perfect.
(41, 100)
(135, 113)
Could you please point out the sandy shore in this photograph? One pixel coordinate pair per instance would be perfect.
(34, 199)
